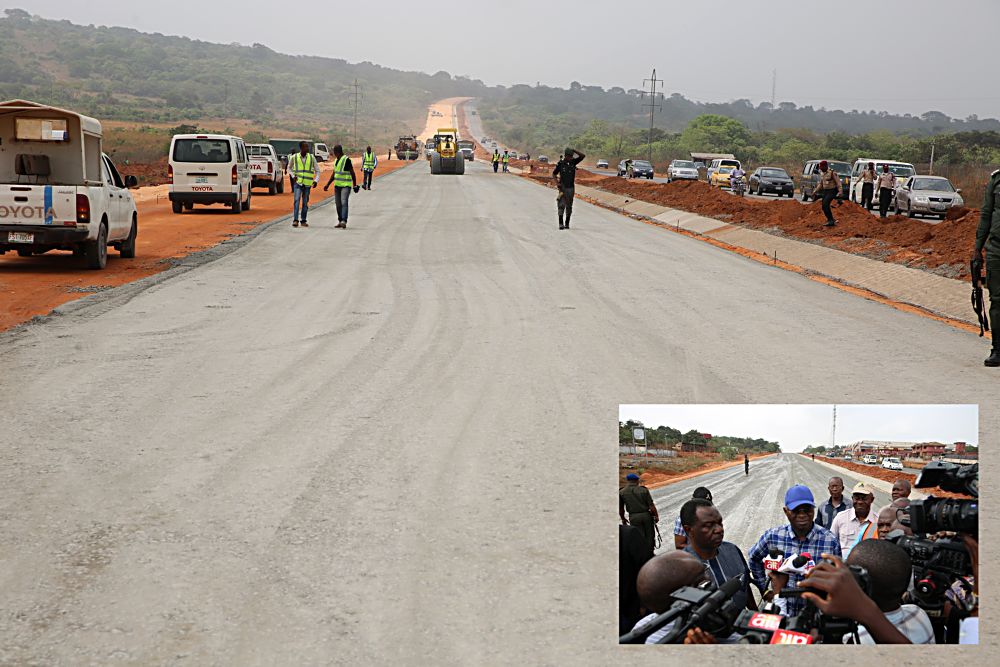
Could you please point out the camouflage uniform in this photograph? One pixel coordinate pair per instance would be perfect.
(637, 500)
(988, 238)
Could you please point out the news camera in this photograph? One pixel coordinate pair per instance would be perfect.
(704, 606)
(934, 515)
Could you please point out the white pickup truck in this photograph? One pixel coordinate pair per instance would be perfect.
(58, 190)
(266, 168)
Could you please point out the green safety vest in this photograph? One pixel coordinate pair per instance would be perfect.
(341, 177)
(368, 162)
(496, 157)
(304, 170)
(506, 158)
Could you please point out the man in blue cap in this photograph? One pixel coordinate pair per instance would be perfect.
(800, 535)
(641, 509)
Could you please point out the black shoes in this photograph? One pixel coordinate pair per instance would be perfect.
(994, 359)
(830, 223)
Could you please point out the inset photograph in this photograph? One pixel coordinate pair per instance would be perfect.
(798, 524)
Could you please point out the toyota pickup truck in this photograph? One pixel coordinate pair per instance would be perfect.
(266, 168)
(58, 190)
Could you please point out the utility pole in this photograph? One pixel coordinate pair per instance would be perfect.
(931, 169)
(774, 87)
(653, 105)
(356, 87)
(833, 438)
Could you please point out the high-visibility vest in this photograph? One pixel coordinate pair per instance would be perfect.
(506, 158)
(496, 157)
(368, 161)
(304, 169)
(341, 177)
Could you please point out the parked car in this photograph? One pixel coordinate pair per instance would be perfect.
(720, 177)
(902, 170)
(543, 159)
(602, 164)
(718, 163)
(640, 169)
(810, 177)
(927, 195)
(684, 170)
(322, 152)
(892, 463)
(771, 179)
(58, 190)
(848, 457)
(208, 169)
(869, 459)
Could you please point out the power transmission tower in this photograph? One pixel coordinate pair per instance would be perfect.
(833, 438)
(357, 88)
(653, 105)
(774, 87)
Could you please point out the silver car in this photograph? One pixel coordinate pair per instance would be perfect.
(602, 164)
(682, 170)
(927, 195)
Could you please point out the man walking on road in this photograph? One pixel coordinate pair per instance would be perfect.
(506, 162)
(641, 509)
(851, 527)
(746, 464)
(304, 174)
(868, 177)
(496, 160)
(368, 163)
(988, 239)
(723, 560)
(828, 188)
(564, 175)
(799, 535)
(901, 489)
(680, 535)
(886, 188)
(834, 505)
(344, 180)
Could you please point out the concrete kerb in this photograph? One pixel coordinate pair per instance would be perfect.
(874, 482)
(95, 304)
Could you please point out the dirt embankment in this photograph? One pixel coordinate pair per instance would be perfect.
(942, 248)
(31, 286)
(702, 463)
(886, 475)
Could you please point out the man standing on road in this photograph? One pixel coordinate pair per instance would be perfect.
(828, 188)
(506, 162)
(868, 185)
(886, 188)
(304, 174)
(746, 464)
(901, 489)
(834, 505)
(680, 536)
(799, 535)
(723, 560)
(988, 238)
(344, 180)
(496, 160)
(565, 178)
(851, 527)
(368, 164)
(641, 509)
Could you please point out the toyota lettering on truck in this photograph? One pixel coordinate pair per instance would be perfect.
(58, 190)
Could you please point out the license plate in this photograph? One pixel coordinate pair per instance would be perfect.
(201, 179)
(938, 207)
(20, 237)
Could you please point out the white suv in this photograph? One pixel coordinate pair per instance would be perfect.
(870, 459)
(892, 463)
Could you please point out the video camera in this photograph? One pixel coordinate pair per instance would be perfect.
(705, 606)
(933, 515)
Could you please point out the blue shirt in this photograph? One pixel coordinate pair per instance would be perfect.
(819, 540)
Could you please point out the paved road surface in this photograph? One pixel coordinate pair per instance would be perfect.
(389, 444)
(752, 504)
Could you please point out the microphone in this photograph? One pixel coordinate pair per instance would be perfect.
(716, 600)
(800, 564)
(773, 560)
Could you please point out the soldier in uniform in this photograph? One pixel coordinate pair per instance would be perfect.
(988, 238)
(641, 509)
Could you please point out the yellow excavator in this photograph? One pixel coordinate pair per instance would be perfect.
(447, 158)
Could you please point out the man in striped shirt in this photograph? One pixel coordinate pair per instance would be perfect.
(799, 535)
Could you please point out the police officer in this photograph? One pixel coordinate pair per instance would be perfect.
(988, 238)
(641, 509)
(368, 163)
(828, 188)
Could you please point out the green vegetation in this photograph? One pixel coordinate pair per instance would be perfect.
(662, 437)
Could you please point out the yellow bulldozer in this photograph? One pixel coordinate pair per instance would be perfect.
(447, 158)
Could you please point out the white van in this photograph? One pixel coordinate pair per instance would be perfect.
(902, 170)
(209, 169)
(322, 152)
(721, 162)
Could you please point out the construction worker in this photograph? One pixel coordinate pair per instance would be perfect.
(344, 180)
(496, 160)
(641, 509)
(368, 163)
(564, 175)
(304, 174)
(506, 161)
(988, 238)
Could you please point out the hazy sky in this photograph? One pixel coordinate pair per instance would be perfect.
(795, 427)
(830, 54)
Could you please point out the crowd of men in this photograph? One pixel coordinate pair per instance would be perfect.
(834, 533)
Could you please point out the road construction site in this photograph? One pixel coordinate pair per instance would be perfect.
(317, 437)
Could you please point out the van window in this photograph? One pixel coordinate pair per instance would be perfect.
(202, 150)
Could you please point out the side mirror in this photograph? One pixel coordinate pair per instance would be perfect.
(131, 182)
(958, 191)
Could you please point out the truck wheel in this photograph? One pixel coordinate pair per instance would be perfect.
(272, 188)
(189, 206)
(236, 206)
(281, 184)
(459, 165)
(127, 249)
(246, 204)
(176, 206)
(435, 163)
(96, 252)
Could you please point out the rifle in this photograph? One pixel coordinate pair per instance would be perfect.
(976, 269)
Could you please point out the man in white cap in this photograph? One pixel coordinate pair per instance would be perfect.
(851, 527)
